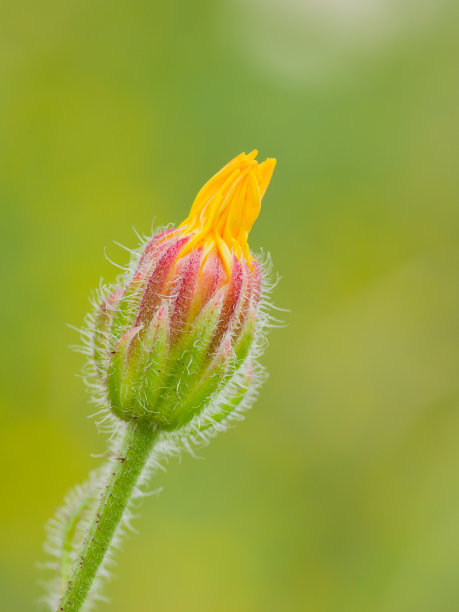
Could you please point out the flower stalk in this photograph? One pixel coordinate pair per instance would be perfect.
(126, 469)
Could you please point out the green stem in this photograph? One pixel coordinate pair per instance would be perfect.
(126, 470)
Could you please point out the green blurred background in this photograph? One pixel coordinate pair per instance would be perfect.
(340, 492)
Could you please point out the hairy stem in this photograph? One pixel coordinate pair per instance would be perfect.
(114, 499)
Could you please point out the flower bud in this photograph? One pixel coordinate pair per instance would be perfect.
(182, 323)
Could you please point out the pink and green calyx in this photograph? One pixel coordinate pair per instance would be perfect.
(184, 322)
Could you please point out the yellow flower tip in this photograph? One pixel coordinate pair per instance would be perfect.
(225, 209)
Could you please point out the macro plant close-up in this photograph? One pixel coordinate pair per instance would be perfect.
(172, 359)
(230, 287)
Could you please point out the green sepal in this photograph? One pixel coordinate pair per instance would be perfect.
(125, 311)
(156, 349)
(245, 340)
(119, 383)
(187, 365)
(137, 368)
(211, 380)
(224, 365)
(102, 326)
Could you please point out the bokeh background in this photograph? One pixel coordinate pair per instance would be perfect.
(340, 491)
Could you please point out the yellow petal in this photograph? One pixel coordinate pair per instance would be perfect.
(226, 208)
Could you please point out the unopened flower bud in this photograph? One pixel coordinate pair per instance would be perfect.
(182, 324)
